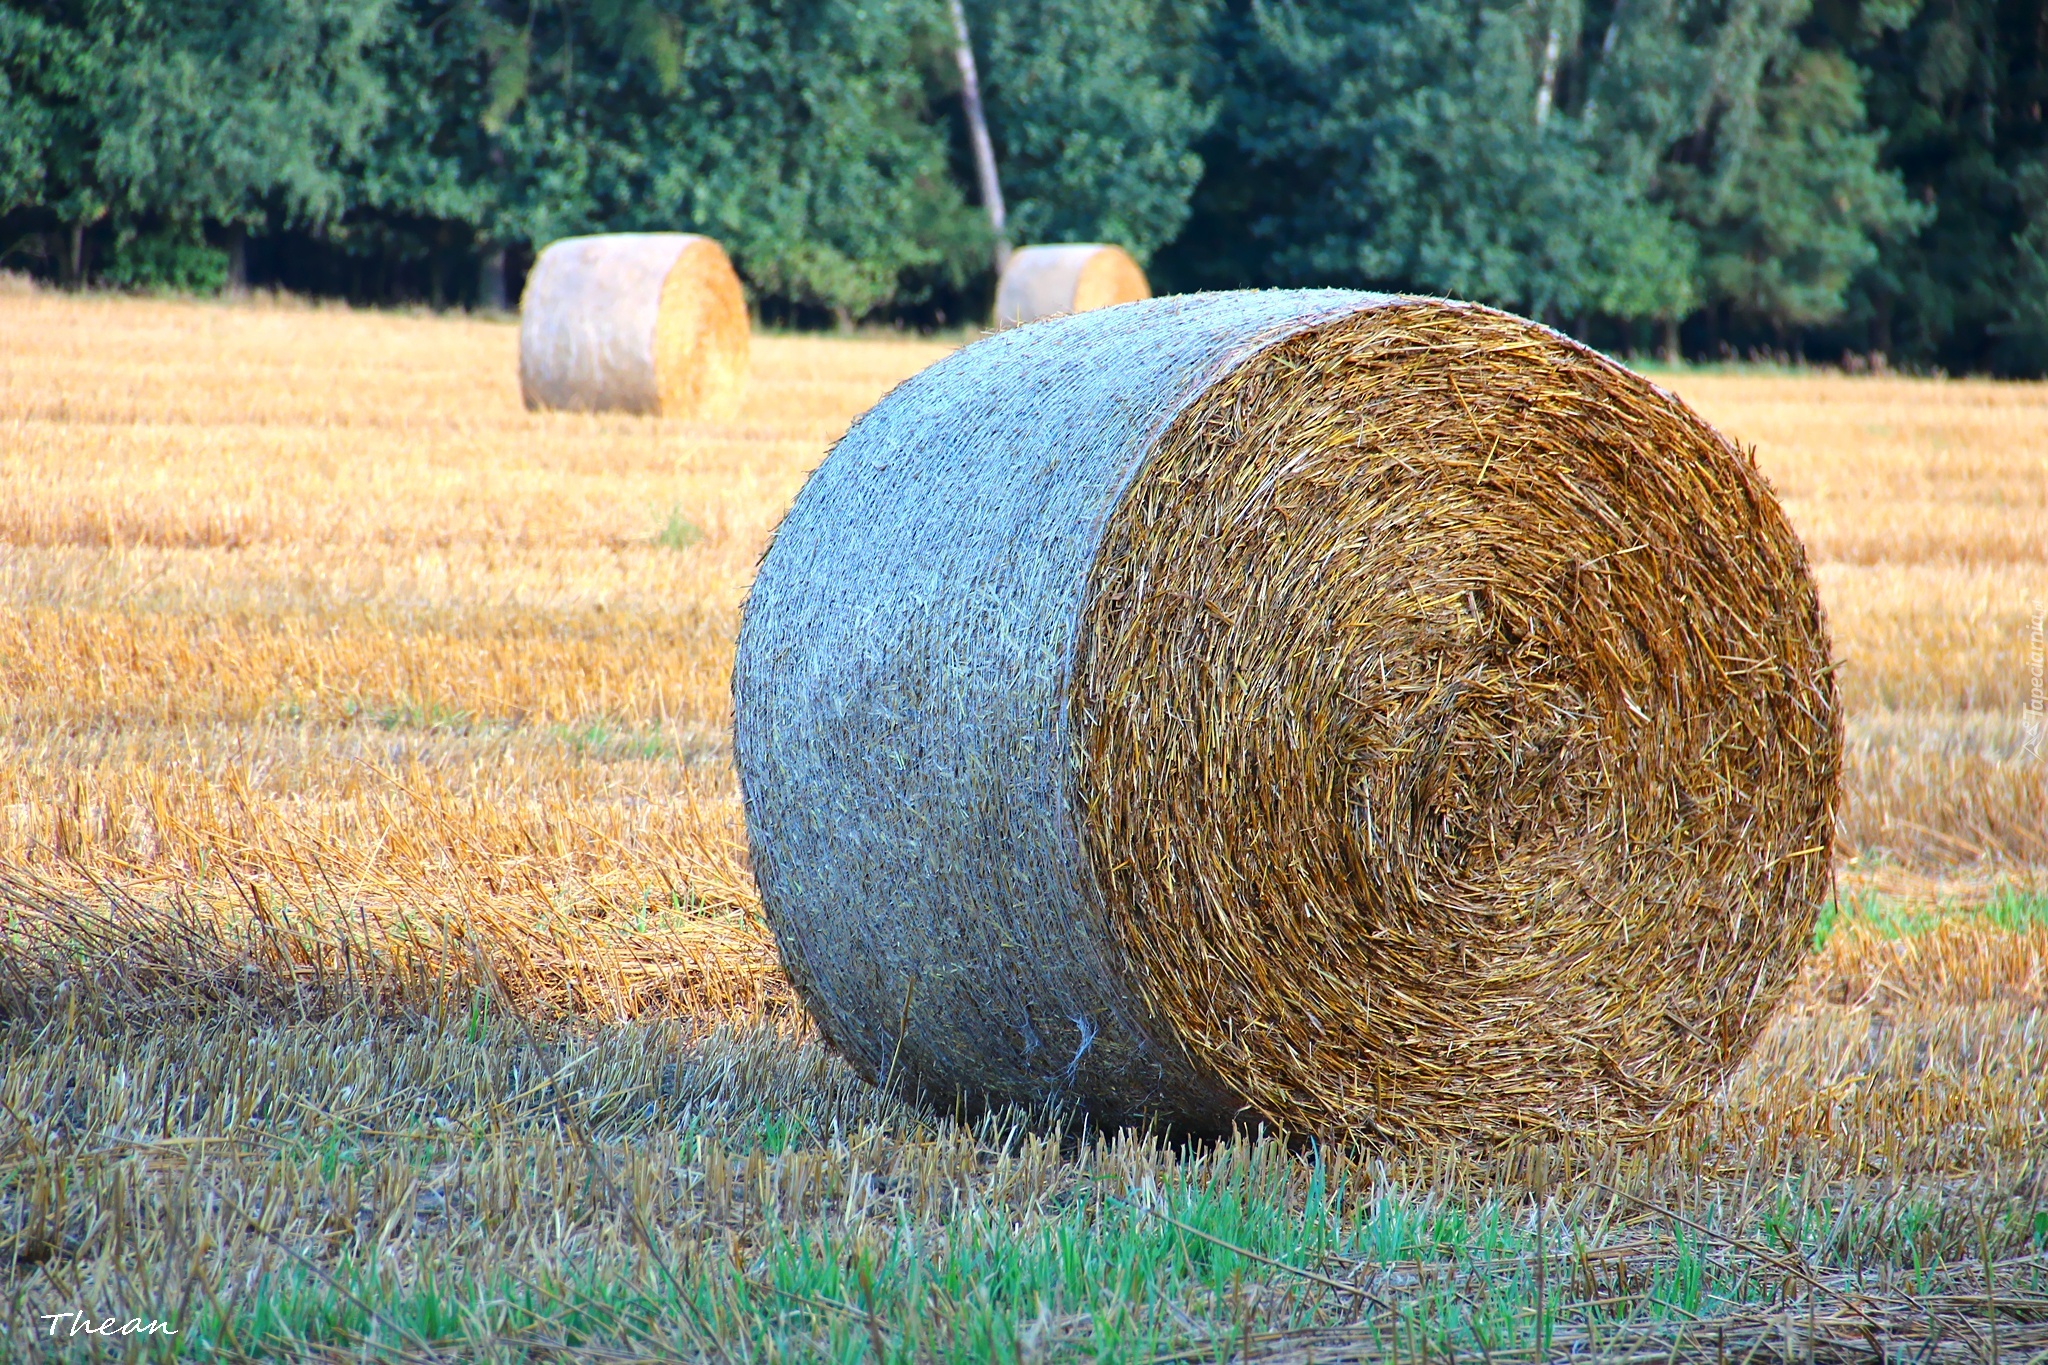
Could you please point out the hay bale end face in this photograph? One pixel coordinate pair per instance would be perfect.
(1048, 281)
(647, 322)
(1378, 717)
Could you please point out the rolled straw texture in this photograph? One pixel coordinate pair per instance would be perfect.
(1048, 281)
(1382, 718)
(647, 322)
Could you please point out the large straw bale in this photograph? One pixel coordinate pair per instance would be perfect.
(1048, 281)
(650, 322)
(1373, 716)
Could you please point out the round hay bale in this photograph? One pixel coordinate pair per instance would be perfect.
(1378, 717)
(649, 322)
(1048, 281)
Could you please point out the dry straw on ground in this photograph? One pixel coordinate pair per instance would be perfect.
(343, 690)
(649, 322)
(1371, 716)
(1049, 281)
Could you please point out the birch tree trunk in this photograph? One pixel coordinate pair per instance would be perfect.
(238, 259)
(491, 293)
(1547, 91)
(977, 133)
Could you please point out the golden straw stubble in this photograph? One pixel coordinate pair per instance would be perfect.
(1457, 742)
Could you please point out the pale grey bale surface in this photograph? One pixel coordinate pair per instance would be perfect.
(587, 322)
(901, 695)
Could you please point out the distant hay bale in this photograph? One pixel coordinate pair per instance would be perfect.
(1046, 281)
(650, 322)
(1378, 717)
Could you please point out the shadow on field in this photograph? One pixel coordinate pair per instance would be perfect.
(269, 957)
(289, 1145)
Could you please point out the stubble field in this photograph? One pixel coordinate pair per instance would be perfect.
(385, 979)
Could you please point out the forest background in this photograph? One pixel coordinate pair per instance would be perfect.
(1853, 181)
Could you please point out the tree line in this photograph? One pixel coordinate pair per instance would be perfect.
(1859, 179)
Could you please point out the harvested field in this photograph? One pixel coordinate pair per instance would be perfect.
(386, 980)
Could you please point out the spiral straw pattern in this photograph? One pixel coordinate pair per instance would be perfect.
(1379, 718)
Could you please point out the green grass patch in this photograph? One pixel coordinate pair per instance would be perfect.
(678, 532)
(602, 739)
(435, 716)
(1192, 1269)
(2010, 909)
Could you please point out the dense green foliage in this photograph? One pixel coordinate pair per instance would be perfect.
(1822, 176)
(1626, 162)
(798, 132)
(1959, 92)
(1093, 113)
